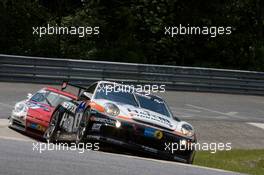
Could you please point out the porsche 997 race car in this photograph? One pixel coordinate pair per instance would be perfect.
(126, 118)
(33, 114)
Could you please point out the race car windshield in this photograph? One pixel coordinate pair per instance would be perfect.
(109, 92)
(153, 103)
(48, 97)
(55, 99)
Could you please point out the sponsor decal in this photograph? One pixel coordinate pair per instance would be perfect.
(104, 120)
(37, 106)
(114, 141)
(81, 107)
(158, 134)
(153, 133)
(37, 127)
(96, 127)
(33, 105)
(149, 116)
(97, 107)
(78, 116)
(69, 106)
(149, 149)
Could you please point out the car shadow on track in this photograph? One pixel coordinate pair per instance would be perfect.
(104, 147)
(28, 135)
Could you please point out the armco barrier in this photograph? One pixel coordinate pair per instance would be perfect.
(53, 71)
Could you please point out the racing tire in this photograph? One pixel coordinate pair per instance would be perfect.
(190, 158)
(83, 127)
(51, 133)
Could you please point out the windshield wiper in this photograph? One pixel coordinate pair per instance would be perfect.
(49, 103)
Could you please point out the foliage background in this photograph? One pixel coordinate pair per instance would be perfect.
(133, 31)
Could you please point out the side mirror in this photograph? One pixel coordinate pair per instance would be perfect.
(29, 95)
(64, 85)
(85, 96)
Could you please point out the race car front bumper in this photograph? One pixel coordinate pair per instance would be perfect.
(35, 126)
(17, 122)
(138, 136)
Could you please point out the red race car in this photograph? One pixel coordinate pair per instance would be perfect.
(33, 114)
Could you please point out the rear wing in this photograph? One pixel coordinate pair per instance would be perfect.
(65, 84)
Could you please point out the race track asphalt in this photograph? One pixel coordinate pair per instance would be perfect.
(18, 157)
(216, 118)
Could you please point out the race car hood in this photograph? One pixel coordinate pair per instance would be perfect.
(144, 116)
(39, 111)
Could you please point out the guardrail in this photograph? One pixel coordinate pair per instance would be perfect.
(53, 71)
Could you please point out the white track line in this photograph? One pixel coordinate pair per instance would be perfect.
(206, 109)
(184, 109)
(3, 122)
(229, 114)
(136, 157)
(16, 139)
(170, 162)
(6, 105)
(258, 125)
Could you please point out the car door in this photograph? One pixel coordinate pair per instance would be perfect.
(71, 117)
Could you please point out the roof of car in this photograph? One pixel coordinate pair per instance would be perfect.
(67, 94)
(142, 93)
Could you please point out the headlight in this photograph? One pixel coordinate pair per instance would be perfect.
(21, 109)
(118, 124)
(187, 130)
(111, 109)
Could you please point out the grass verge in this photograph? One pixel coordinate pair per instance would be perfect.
(244, 161)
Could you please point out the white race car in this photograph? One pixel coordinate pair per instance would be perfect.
(105, 112)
